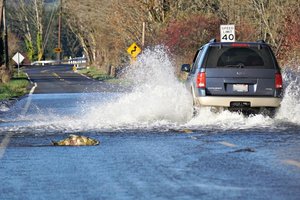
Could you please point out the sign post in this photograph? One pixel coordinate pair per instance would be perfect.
(18, 58)
(227, 33)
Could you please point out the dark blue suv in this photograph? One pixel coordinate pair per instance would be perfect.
(242, 76)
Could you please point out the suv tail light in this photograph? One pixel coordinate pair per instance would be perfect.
(201, 80)
(278, 81)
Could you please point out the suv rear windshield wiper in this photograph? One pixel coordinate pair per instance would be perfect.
(240, 65)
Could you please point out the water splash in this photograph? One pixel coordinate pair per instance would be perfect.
(206, 119)
(158, 100)
(289, 112)
(290, 105)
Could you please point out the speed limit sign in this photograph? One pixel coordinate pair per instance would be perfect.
(227, 33)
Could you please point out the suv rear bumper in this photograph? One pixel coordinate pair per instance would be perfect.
(226, 101)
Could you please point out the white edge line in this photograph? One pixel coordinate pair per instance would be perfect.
(29, 100)
(84, 76)
(32, 89)
(29, 78)
(6, 139)
(4, 143)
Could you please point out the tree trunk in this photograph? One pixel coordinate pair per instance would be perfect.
(39, 25)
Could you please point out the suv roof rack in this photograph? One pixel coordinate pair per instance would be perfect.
(213, 40)
(261, 41)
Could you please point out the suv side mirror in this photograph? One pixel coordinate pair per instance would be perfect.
(186, 68)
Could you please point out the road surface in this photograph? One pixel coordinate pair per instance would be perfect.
(62, 79)
(142, 154)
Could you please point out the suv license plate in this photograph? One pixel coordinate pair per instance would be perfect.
(240, 87)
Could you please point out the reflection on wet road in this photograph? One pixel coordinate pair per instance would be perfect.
(166, 160)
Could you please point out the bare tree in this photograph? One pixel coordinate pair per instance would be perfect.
(27, 21)
(105, 28)
(112, 26)
(38, 5)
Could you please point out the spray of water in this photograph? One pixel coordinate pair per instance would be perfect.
(290, 106)
(159, 100)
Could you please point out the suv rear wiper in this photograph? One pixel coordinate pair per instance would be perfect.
(240, 65)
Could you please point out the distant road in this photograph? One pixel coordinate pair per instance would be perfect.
(62, 79)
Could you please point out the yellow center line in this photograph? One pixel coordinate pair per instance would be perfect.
(55, 74)
(227, 144)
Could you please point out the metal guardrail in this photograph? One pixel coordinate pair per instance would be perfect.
(43, 62)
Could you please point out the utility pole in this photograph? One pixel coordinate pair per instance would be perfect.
(59, 31)
(5, 36)
(1, 36)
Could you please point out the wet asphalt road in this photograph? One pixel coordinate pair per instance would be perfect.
(62, 79)
(134, 162)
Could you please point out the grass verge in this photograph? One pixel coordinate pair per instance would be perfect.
(101, 75)
(15, 88)
(97, 74)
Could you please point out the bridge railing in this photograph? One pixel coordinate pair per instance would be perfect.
(79, 62)
(45, 62)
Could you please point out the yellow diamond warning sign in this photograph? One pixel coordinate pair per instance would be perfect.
(57, 50)
(134, 50)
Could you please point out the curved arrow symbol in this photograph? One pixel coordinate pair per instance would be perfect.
(134, 50)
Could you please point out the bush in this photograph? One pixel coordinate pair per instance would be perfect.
(184, 36)
(290, 44)
(5, 77)
(95, 73)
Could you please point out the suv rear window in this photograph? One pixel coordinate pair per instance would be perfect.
(248, 57)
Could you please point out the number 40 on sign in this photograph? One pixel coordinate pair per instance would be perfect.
(227, 33)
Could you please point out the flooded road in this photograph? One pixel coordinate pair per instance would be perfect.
(150, 145)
